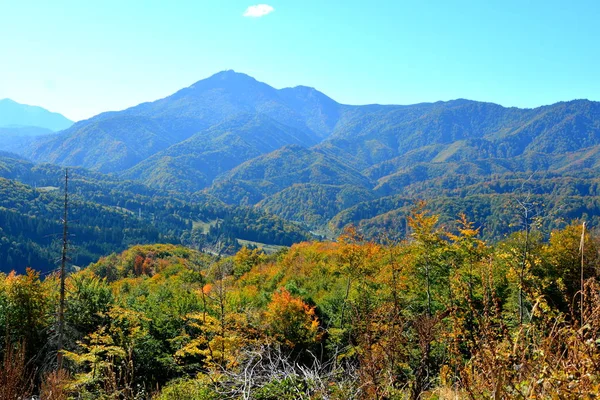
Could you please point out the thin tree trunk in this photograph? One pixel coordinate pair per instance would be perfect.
(63, 262)
(581, 249)
(523, 265)
(428, 289)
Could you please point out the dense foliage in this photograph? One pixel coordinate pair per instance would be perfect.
(440, 313)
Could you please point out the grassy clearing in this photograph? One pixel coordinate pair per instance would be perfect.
(47, 188)
(204, 225)
(268, 248)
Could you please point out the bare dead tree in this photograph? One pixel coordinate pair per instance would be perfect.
(581, 250)
(266, 364)
(63, 263)
(527, 210)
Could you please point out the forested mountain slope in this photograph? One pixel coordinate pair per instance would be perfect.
(247, 143)
(276, 171)
(194, 163)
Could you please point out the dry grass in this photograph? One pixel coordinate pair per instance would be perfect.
(445, 393)
(55, 385)
(15, 379)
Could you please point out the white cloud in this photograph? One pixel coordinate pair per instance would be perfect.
(259, 10)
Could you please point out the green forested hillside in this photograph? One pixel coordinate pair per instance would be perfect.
(108, 144)
(194, 163)
(314, 204)
(281, 169)
(107, 215)
(31, 228)
(380, 133)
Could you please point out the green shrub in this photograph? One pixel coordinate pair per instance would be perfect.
(188, 389)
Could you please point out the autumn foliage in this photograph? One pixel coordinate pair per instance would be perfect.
(440, 314)
(290, 320)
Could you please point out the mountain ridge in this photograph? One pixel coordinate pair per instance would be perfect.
(248, 143)
(14, 115)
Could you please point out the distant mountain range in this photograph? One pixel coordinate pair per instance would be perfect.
(20, 123)
(298, 153)
(13, 114)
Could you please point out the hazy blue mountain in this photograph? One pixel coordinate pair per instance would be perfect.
(24, 131)
(228, 94)
(21, 125)
(462, 129)
(111, 143)
(17, 138)
(141, 131)
(320, 112)
(13, 114)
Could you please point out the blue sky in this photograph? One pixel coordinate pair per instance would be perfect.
(87, 56)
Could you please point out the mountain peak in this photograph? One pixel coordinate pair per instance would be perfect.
(306, 92)
(229, 73)
(224, 78)
(302, 88)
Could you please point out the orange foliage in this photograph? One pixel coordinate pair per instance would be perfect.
(137, 265)
(291, 320)
(206, 288)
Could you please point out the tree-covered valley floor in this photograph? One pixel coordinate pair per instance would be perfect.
(441, 314)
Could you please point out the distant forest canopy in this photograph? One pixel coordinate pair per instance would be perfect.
(441, 314)
(108, 214)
